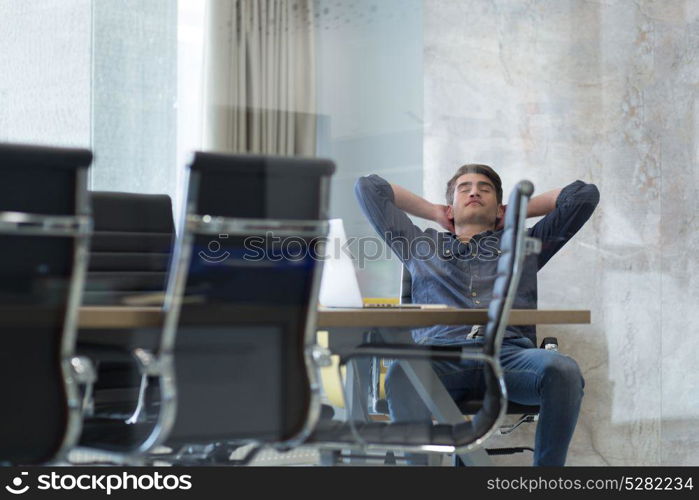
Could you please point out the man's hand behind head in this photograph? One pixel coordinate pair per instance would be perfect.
(500, 223)
(441, 217)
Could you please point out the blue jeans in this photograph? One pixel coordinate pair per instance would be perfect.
(533, 376)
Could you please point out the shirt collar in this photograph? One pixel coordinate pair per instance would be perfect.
(477, 236)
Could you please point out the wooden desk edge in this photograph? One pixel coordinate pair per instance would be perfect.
(419, 318)
(103, 317)
(143, 317)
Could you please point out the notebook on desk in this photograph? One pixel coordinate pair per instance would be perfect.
(339, 287)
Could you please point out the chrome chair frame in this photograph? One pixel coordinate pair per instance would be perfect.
(521, 245)
(197, 224)
(158, 365)
(126, 205)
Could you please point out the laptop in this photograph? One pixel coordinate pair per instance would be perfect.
(339, 286)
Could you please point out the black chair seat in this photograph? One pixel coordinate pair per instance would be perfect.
(472, 407)
(394, 433)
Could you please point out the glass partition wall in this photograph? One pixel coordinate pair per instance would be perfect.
(550, 91)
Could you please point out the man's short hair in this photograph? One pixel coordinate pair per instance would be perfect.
(474, 168)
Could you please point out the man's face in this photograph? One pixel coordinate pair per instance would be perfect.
(475, 201)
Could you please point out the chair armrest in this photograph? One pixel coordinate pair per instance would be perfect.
(549, 343)
(407, 351)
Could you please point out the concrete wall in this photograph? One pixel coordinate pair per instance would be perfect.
(45, 72)
(607, 92)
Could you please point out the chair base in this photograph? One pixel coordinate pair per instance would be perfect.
(508, 451)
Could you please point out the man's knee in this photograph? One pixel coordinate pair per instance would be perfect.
(563, 370)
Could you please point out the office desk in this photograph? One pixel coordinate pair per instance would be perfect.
(348, 325)
(116, 317)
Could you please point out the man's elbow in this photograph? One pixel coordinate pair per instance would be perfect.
(588, 198)
(592, 194)
(373, 187)
(361, 187)
(579, 193)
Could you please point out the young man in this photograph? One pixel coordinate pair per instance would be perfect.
(458, 268)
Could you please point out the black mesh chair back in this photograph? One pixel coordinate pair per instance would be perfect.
(131, 246)
(44, 236)
(248, 282)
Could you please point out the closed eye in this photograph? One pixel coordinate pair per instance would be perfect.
(465, 187)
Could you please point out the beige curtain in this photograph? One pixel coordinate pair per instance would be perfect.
(259, 77)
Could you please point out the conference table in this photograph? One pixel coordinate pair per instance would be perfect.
(347, 326)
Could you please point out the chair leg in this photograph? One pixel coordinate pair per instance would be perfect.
(476, 458)
(136, 416)
(508, 451)
(508, 429)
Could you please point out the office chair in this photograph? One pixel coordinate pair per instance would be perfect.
(240, 319)
(131, 249)
(451, 434)
(379, 406)
(44, 239)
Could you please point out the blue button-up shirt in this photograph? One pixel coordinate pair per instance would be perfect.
(447, 271)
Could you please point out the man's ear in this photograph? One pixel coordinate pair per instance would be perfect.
(501, 211)
(450, 212)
